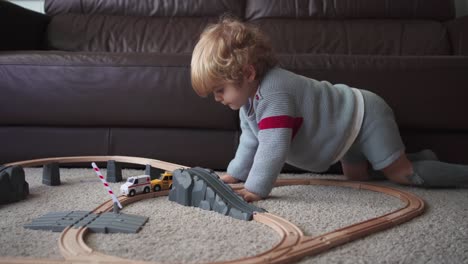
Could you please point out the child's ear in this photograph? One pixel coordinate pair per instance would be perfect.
(249, 72)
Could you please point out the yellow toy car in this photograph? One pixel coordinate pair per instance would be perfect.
(163, 183)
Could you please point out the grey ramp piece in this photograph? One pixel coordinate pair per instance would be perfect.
(238, 214)
(210, 193)
(182, 185)
(220, 206)
(225, 191)
(208, 199)
(210, 196)
(198, 191)
(205, 205)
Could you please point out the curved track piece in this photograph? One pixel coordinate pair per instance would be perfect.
(414, 206)
(293, 245)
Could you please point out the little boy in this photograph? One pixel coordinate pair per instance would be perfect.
(310, 124)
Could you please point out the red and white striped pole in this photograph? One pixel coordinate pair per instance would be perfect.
(109, 190)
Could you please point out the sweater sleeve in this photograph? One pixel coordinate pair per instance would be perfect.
(277, 124)
(240, 166)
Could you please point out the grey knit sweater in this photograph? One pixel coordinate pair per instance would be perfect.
(306, 123)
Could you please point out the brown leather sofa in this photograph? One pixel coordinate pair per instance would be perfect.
(112, 77)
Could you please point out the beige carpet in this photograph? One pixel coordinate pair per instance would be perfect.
(176, 233)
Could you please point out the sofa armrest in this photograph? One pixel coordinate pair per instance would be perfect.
(458, 32)
(21, 29)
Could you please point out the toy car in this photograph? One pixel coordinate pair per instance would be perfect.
(163, 183)
(136, 184)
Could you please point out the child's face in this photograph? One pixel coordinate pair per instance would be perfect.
(231, 95)
(236, 95)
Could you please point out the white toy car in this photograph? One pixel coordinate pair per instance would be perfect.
(135, 185)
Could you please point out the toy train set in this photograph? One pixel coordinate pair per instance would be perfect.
(203, 188)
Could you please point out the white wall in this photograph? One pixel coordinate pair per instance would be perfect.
(38, 5)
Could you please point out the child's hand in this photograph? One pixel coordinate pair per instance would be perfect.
(229, 179)
(248, 196)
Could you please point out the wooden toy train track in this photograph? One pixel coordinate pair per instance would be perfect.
(293, 244)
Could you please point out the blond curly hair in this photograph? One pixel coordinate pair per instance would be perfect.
(222, 52)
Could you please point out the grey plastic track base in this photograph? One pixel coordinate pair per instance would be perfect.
(154, 173)
(13, 186)
(58, 221)
(51, 174)
(114, 171)
(203, 188)
(99, 223)
(117, 223)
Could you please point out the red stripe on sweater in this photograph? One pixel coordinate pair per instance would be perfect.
(281, 122)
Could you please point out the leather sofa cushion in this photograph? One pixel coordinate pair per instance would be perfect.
(26, 142)
(407, 9)
(64, 89)
(458, 30)
(163, 8)
(101, 33)
(105, 90)
(189, 147)
(357, 36)
(75, 32)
